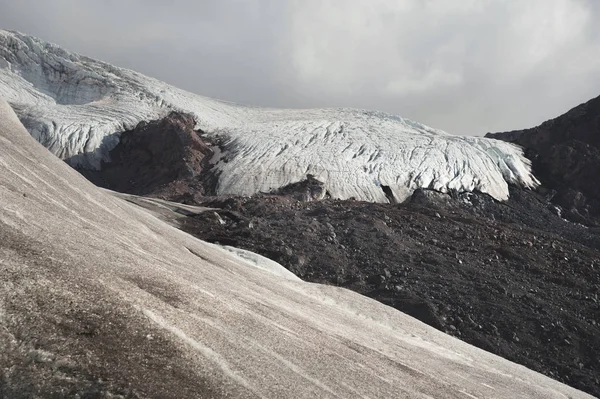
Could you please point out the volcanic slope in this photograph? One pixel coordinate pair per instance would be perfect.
(78, 107)
(566, 156)
(89, 281)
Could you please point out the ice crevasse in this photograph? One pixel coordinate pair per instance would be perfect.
(77, 107)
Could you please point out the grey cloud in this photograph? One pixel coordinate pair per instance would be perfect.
(465, 66)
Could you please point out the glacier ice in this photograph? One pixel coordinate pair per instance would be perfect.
(76, 107)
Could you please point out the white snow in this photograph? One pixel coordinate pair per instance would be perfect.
(77, 106)
(250, 333)
(259, 261)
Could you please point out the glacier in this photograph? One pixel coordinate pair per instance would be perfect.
(99, 294)
(77, 107)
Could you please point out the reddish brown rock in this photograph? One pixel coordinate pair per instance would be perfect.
(166, 157)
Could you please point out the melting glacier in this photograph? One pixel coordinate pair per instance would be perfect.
(76, 107)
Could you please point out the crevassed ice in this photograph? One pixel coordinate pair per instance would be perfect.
(77, 106)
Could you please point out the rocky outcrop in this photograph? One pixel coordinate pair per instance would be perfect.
(309, 189)
(165, 157)
(566, 157)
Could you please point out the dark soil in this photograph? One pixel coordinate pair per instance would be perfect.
(514, 279)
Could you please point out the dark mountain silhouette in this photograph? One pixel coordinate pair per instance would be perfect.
(566, 158)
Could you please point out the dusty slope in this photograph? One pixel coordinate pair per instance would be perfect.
(99, 297)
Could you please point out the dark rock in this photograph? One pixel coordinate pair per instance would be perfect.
(306, 190)
(163, 158)
(377, 280)
(566, 158)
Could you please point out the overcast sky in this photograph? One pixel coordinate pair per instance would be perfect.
(465, 66)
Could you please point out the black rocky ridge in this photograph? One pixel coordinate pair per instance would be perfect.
(565, 153)
(514, 278)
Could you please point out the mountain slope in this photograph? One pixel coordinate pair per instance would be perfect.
(566, 157)
(88, 282)
(77, 107)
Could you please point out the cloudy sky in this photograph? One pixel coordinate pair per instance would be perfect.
(465, 66)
